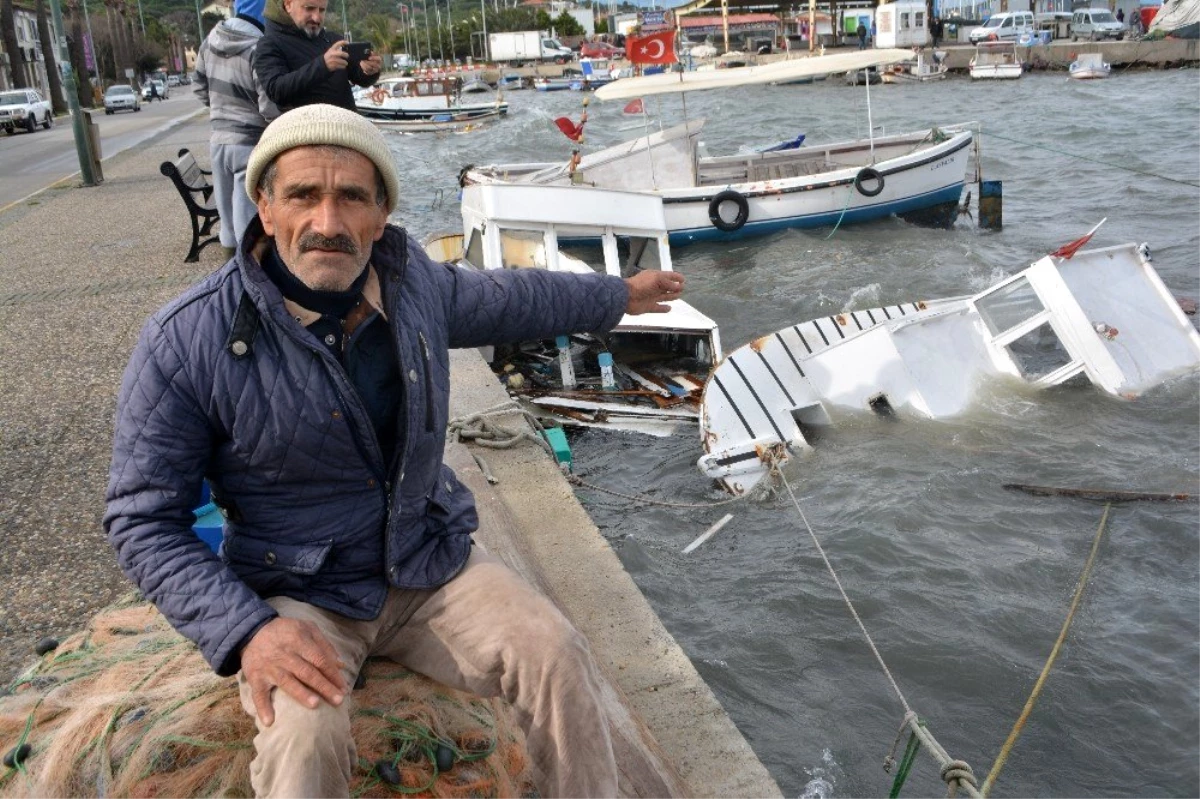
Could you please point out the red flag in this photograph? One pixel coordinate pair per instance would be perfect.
(635, 107)
(1070, 248)
(657, 48)
(570, 129)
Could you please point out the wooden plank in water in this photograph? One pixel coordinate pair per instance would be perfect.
(1100, 495)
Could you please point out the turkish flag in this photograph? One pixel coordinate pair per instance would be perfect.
(635, 107)
(1071, 247)
(657, 48)
(570, 129)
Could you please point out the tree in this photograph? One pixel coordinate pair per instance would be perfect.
(8, 26)
(48, 52)
(83, 78)
(377, 29)
(542, 20)
(566, 25)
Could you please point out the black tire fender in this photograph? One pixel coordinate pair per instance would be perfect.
(867, 174)
(714, 210)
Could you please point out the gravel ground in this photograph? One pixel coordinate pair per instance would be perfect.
(82, 269)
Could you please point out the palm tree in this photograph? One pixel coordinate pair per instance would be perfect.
(377, 28)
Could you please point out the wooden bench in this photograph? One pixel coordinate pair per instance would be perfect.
(196, 190)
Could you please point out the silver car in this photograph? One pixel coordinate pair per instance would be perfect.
(121, 98)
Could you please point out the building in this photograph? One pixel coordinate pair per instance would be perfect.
(28, 59)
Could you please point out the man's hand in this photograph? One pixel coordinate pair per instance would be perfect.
(295, 656)
(335, 56)
(372, 65)
(650, 289)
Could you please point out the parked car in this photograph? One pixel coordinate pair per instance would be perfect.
(24, 108)
(1005, 27)
(173, 80)
(121, 98)
(1096, 24)
(163, 91)
(600, 50)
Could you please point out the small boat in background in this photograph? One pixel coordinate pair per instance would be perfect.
(996, 61)
(440, 123)
(1089, 66)
(407, 99)
(861, 77)
(474, 84)
(922, 71)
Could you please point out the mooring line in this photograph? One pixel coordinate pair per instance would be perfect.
(1094, 160)
(1041, 681)
(853, 611)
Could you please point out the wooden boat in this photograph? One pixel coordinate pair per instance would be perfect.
(657, 362)
(408, 98)
(1102, 316)
(995, 61)
(1089, 66)
(918, 175)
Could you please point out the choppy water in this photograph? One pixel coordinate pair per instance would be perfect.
(963, 585)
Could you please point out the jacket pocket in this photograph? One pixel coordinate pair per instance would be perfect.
(260, 555)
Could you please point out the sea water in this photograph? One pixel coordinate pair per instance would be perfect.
(962, 584)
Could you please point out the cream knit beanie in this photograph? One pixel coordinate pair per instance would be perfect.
(323, 124)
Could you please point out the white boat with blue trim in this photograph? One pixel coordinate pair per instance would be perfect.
(919, 176)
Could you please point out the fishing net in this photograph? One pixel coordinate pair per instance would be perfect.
(129, 708)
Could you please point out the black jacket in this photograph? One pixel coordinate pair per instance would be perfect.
(291, 68)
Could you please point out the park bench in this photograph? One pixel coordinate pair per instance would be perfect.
(196, 190)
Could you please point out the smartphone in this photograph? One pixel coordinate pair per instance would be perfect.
(358, 51)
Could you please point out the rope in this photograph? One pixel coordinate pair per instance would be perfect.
(1025, 143)
(842, 215)
(477, 428)
(853, 612)
(906, 762)
(1041, 681)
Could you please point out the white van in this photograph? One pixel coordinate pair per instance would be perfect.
(1096, 24)
(1009, 26)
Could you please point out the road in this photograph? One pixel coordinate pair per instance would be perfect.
(31, 162)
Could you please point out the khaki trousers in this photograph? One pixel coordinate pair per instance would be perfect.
(486, 632)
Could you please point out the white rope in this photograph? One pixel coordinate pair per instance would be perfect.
(853, 612)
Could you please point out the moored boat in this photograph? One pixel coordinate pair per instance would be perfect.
(995, 61)
(415, 98)
(918, 175)
(1089, 66)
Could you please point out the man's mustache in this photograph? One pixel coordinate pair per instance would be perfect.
(340, 243)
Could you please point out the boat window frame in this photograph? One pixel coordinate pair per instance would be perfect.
(1000, 342)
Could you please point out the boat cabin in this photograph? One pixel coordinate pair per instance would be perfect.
(658, 362)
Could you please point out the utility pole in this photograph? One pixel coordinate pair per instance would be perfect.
(82, 144)
(199, 26)
(142, 20)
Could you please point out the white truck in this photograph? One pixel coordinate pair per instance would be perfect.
(520, 47)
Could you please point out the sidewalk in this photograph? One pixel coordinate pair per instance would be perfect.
(83, 268)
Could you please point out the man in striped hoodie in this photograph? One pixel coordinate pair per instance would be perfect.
(239, 111)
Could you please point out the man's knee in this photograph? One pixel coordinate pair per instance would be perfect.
(305, 752)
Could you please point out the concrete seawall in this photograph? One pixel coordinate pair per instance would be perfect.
(83, 269)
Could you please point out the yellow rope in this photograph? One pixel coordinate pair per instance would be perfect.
(1037, 688)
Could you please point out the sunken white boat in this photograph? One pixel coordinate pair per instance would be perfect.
(648, 373)
(918, 175)
(1102, 316)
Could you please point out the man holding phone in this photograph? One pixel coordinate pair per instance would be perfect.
(299, 62)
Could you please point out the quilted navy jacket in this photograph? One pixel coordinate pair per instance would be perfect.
(224, 384)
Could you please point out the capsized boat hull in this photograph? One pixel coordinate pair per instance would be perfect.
(1103, 316)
